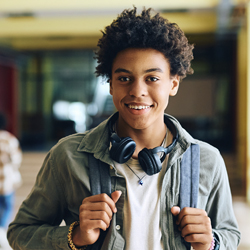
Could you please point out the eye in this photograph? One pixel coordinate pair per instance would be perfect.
(124, 79)
(152, 79)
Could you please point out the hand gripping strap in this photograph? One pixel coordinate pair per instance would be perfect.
(100, 182)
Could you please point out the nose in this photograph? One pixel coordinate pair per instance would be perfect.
(138, 88)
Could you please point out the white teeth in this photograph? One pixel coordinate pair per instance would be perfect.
(138, 107)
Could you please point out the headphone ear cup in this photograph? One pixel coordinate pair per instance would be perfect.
(150, 162)
(122, 151)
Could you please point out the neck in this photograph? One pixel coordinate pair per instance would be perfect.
(144, 138)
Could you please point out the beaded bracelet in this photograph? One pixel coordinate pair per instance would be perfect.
(212, 245)
(70, 242)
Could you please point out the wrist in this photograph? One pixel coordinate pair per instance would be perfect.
(212, 245)
(215, 245)
(74, 237)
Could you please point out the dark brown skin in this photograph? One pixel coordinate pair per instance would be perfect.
(195, 226)
(95, 213)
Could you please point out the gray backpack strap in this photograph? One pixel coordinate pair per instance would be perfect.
(100, 182)
(99, 176)
(189, 179)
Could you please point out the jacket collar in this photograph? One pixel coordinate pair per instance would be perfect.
(184, 142)
(96, 141)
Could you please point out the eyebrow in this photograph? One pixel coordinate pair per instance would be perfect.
(121, 70)
(154, 69)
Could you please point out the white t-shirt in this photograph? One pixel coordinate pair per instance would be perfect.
(141, 223)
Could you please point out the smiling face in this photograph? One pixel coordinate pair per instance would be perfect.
(141, 85)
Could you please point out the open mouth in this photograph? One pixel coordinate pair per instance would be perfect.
(137, 107)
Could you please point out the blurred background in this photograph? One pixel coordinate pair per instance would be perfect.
(48, 89)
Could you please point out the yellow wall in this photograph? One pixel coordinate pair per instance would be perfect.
(29, 33)
(243, 102)
(93, 5)
(248, 103)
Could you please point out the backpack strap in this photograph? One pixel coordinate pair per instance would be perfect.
(99, 176)
(100, 182)
(189, 179)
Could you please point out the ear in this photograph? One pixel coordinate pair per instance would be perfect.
(110, 87)
(175, 81)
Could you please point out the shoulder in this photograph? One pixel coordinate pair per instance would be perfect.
(64, 163)
(66, 150)
(210, 157)
(209, 154)
(89, 141)
(75, 147)
(212, 167)
(70, 142)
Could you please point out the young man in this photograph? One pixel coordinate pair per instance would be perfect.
(144, 58)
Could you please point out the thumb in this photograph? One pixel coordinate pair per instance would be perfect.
(116, 195)
(175, 210)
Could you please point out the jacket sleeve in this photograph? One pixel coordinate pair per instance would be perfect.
(220, 209)
(37, 223)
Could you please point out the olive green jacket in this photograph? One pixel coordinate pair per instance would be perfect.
(63, 183)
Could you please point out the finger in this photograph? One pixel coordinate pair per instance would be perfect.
(96, 215)
(175, 210)
(116, 195)
(87, 208)
(97, 198)
(190, 211)
(101, 198)
(90, 225)
(199, 229)
(195, 220)
(199, 239)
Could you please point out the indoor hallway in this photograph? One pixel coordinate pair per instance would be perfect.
(32, 162)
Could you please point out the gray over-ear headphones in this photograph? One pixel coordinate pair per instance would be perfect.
(123, 148)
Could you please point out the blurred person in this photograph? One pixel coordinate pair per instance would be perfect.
(143, 57)
(10, 177)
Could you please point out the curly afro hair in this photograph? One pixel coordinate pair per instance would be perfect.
(144, 31)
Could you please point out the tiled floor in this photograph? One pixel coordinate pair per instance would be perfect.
(33, 161)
